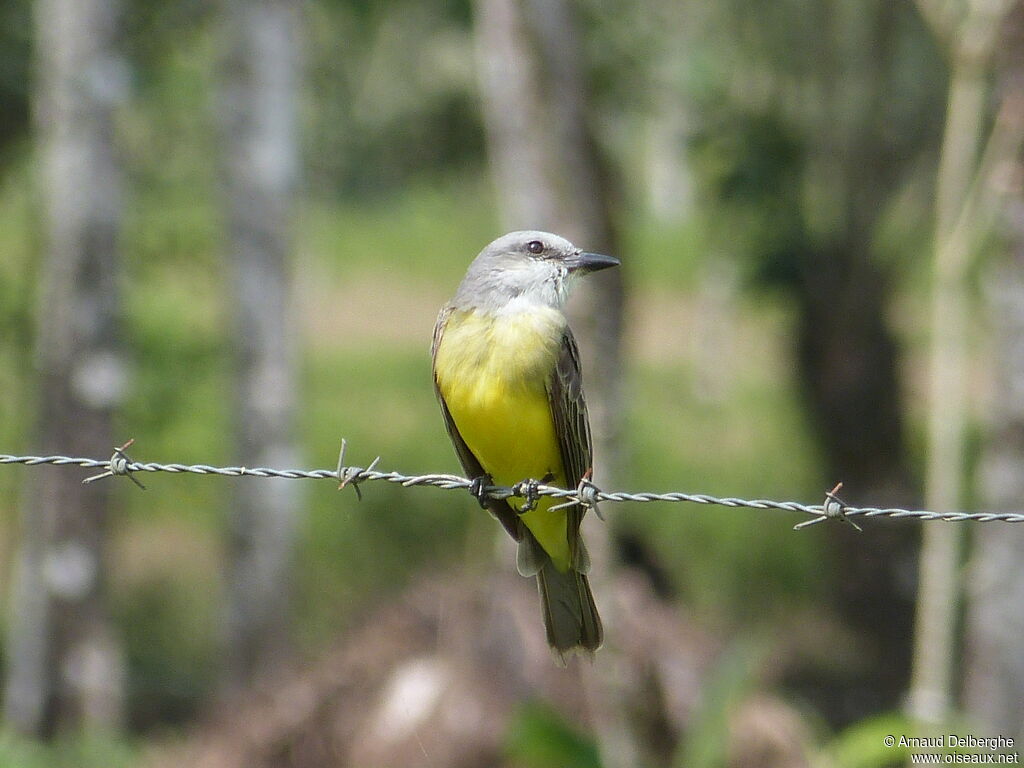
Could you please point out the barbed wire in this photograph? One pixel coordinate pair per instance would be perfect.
(586, 493)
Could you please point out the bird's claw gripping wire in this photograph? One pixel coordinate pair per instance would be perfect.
(352, 476)
(527, 491)
(834, 508)
(480, 488)
(119, 464)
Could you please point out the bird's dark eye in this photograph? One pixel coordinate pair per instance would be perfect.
(535, 246)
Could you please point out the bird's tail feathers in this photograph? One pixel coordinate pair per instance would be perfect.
(570, 615)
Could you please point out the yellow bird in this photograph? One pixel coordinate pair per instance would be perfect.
(507, 375)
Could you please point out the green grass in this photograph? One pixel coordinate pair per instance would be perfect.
(18, 277)
(663, 254)
(751, 441)
(429, 232)
(382, 402)
(95, 751)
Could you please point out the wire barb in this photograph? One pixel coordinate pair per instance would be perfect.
(119, 464)
(586, 494)
(834, 508)
(352, 475)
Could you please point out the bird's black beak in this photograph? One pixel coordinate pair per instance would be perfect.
(582, 262)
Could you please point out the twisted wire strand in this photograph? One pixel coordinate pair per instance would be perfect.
(586, 494)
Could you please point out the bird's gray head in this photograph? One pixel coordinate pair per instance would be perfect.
(526, 268)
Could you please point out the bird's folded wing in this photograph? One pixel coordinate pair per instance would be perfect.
(569, 412)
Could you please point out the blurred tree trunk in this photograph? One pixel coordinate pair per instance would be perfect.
(828, 143)
(549, 175)
(669, 180)
(847, 358)
(847, 352)
(969, 38)
(64, 663)
(994, 669)
(257, 111)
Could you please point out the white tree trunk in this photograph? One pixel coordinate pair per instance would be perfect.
(994, 669)
(994, 664)
(970, 43)
(938, 585)
(257, 110)
(64, 662)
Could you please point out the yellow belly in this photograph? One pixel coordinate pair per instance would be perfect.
(491, 371)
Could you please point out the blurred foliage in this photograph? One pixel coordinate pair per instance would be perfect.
(538, 737)
(862, 745)
(391, 94)
(817, 118)
(734, 676)
(15, 41)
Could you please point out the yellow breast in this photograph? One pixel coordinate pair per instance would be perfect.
(492, 372)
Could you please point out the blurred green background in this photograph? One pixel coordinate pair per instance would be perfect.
(797, 132)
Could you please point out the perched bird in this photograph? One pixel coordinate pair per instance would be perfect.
(507, 375)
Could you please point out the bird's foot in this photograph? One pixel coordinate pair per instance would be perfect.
(527, 491)
(478, 487)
